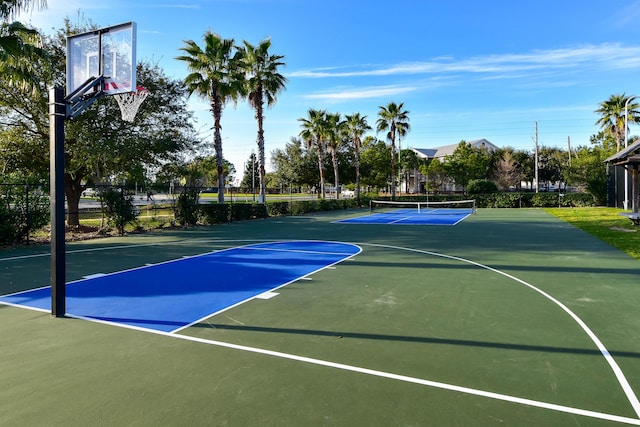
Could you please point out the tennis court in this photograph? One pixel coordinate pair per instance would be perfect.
(512, 317)
(415, 213)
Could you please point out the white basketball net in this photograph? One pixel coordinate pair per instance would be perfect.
(129, 103)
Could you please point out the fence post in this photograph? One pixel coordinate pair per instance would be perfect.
(26, 206)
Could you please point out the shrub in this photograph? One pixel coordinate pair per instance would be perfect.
(186, 208)
(117, 207)
(213, 213)
(21, 210)
(481, 186)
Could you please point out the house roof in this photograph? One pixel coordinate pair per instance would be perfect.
(626, 156)
(447, 150)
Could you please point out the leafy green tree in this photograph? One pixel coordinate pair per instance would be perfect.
(264, 83)
(356, 127)
(394, 120)
(376, 169)
(588, 167)
(552, 162)
(251, 171)
(216, 74)
(435, 174)
(525, 164)
(409, 162)
(293, 166)
(467, 163)
(612, 118)
(99, 145)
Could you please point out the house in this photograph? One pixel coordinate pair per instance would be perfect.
(441, 152)
(417, 181)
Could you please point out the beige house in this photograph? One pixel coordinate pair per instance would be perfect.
(416, 182)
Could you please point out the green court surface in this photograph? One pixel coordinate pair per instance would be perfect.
(511, 317)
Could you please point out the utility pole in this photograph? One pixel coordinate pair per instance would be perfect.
(569, 148)
(536, 159)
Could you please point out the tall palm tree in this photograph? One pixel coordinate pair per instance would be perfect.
(264, 83)
(393, 119)
(216, 75)
(356, 127)
(612, 116)
(313, 134)
(334, 131)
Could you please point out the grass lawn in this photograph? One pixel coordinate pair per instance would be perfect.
(604, 223)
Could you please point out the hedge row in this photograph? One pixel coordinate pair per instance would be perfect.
(214, 213)
(222, 213)
(514, 200)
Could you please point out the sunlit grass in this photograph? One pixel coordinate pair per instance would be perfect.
(604, 223)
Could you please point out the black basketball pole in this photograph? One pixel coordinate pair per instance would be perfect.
(57, 115)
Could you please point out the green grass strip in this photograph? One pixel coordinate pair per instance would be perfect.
(605, 224)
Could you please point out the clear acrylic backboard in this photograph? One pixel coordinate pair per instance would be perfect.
(109, 52)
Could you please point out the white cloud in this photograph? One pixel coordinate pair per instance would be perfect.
(363, 93)
(610, 56)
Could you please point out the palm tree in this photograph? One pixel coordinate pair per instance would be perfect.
(264, 83)
(20, 47)
(313, 134)
(395, 120)
(216, 75)
(334, 131)
(10, 8)
(356, 127)
(612, 116)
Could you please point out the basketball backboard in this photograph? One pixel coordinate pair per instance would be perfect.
(108, 52)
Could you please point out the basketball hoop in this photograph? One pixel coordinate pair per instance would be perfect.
(129, 102)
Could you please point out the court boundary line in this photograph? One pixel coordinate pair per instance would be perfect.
(622, 380)
(465, 390)
(408, 379)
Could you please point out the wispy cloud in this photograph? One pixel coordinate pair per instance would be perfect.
(609, 56)
(349, 94)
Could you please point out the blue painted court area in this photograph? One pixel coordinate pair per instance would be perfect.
(171, 295)
(413, 217)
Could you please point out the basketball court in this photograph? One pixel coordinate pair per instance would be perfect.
(510, 317)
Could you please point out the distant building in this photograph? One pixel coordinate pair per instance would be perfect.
(417, 181)
(441, 152)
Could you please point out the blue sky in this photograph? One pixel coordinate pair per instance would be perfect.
(465, 69)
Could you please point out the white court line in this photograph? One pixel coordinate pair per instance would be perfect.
(397, 377)
(622, 380)
(616, 369)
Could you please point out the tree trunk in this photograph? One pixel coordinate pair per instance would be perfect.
(261, 159)
(73, 191)
(216, 107)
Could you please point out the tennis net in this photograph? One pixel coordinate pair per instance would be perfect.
(452, 207)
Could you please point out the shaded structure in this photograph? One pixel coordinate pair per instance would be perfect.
(629, 159)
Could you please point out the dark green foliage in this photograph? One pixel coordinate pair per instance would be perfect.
(534, 200)
(117, 207)
(186, 209)
(220, 213)
(481, 186)
(21, 209)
